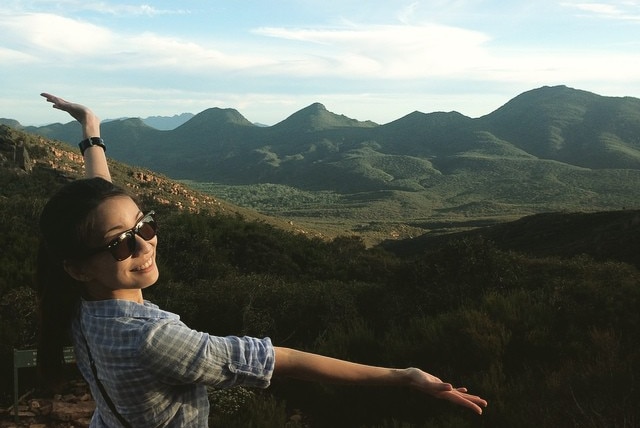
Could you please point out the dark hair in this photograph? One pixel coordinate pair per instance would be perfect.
(64, 228)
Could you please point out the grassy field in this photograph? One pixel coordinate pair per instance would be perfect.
(375, 216)
(476, 191)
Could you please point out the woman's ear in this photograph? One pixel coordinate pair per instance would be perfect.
(76, 272)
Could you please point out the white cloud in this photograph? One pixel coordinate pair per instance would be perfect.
(386, 51)
(152, 50)
(102, 7)
(578, 69)
(406, 14)
(622, 10)
(11, 56)
(128, 9)
(66, 42)
(39, 34)
(378, 51)
(599, 8)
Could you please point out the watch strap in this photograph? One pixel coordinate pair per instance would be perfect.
(91, 141)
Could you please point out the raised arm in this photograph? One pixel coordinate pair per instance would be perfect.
(313, 367)
(95, 160)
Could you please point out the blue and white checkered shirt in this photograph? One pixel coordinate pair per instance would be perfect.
(156, 369)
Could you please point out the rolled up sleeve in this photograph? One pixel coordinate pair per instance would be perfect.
(180, 355)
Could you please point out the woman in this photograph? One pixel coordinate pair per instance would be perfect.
(144, 366)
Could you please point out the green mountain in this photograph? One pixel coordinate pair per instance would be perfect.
(9, 122)
(317, 118)
(571, 126)
(548, 149)
(167, 122)
(551, 123)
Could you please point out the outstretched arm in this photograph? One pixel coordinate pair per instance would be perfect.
(313, 367)
(95, 160)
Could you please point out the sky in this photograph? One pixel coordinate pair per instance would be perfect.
(375, 60)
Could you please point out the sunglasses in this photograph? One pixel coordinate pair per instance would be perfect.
(122, 247)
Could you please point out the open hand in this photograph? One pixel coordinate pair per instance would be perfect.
(79, 112)
(433, 386)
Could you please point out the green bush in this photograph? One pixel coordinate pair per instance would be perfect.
(243, 408)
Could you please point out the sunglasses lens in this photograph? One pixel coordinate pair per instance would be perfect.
(125, 247)
(147, 230)
(126, 243)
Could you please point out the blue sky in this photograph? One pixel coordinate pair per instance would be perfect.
(369, 60)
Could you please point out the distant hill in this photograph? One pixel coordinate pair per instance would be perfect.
(572, 126)
(548, 149)
(604, 236)
(166, 123)
(10, 122)
(161, 123)
(316, 117)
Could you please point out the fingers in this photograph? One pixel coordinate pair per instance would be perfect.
(49, 97)
(461, 398)
(79, 112)
(432, 385)
(445, 387)
(57, 101)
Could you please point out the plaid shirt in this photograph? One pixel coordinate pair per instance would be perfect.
(155, 368)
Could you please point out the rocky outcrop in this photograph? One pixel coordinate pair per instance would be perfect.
(72, 409)
(13, 152)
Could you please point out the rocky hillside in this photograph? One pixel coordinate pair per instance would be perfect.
(41, 159)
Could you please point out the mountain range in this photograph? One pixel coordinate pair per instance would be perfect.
(548, 149)
(163, 123)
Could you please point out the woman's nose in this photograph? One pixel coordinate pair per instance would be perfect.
(143, 246)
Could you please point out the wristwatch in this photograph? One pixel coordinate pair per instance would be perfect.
(92, 141)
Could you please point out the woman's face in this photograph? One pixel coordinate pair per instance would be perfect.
(107, 277)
